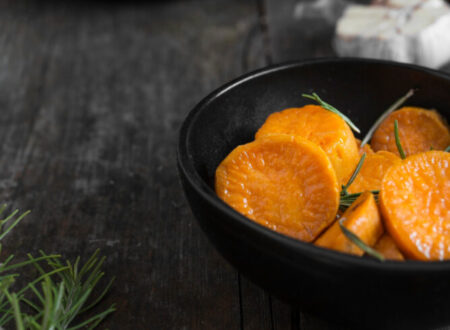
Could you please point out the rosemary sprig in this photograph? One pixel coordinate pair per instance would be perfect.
(59, 303)
(329, 107)
(358, 242)
(447, 149)
(9, 217)
(397, 141)
(6, 278)
(355, 173)
(347, 199)
(391, 109)
(65, 291)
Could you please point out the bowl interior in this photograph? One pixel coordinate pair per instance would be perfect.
(362, 89)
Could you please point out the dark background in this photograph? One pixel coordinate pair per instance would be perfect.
(92, 95)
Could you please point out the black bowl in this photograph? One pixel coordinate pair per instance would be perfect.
(356, 292)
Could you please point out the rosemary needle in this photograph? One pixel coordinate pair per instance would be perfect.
(347, 199)
(358, 242)
(355, 173)
(391, 109)
(397, 140)
(329, 107)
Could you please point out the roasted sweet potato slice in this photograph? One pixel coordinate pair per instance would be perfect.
(282, 182)
(322, 127)
(373, 170)
(387, 247)
(415, 203)
(362, 218)
(419, 131)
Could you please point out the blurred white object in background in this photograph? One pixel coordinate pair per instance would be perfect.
(406, 3)
(413, 31)
(325, 10)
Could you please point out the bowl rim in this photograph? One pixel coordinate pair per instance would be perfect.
(187, 169)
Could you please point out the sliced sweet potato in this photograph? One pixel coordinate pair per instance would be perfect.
(320, 126)
(387, 247)
(362, 218)
(282, 182)
(415, 203)
(419, 131)
(373, 170)
(366, 149)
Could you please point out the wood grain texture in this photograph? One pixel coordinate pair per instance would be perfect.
(255, 306)
(92, 95)
(284, 316)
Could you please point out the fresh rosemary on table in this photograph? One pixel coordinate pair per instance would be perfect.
(58, 297)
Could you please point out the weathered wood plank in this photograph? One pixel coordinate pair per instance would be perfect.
(92, 96)
(308, 322)
(284, 316)
(256, 307)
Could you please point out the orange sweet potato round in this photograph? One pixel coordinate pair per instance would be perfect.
(372, 172)
(362, 218)
(282, 182)
(322, 127)
(415, 203)
(366, 149)
(419, 130)
(387, 247)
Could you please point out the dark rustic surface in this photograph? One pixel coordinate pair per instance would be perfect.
(92, 95)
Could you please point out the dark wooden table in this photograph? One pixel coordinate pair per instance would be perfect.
(92, 95)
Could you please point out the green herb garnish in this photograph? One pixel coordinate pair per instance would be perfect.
(385, 114)
(329, 107)
(355, 173)
(57, 297)
(397, 141)
(347, 199)
(358, 242)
